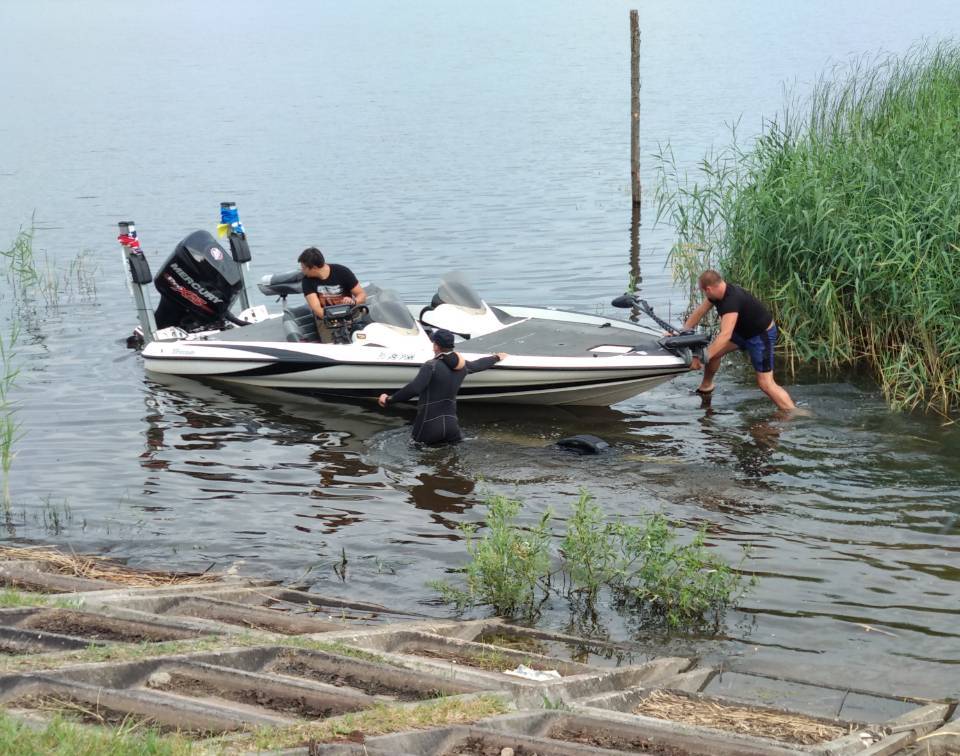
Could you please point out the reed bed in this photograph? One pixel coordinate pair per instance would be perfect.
(101, 568)
(844, 215)
(745, 720)
(10, 429)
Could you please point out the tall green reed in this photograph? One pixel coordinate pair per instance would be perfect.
(844, 215)
(46, 281)
(36, 285)
(10, 429)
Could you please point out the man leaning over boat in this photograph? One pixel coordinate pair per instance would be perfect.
(327, 284)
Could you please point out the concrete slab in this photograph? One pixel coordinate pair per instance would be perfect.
(270, 685)
(590, 709)
(384, 681)
(942, 742)
(891, 734)
(16, 642)
(91, 626)
(817, 700)
(444, 651)
(262, 608)
(604, 733)
(497, 632)
(560, 734)
(30, 576)
(97, 705)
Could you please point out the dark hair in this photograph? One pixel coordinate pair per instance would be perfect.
(312, 258)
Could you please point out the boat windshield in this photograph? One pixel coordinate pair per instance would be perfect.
(455, 290)
(386, 307)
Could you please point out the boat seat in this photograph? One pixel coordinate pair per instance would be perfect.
(300, 325)
(282, 284)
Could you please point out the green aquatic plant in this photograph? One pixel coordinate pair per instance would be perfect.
(683, 583)
(642, 566)
(588, 550)
(31, 281)
(646, 567)
(508, 563)
(35, 280)
(844, 215)
(10, 427)
(20, 262)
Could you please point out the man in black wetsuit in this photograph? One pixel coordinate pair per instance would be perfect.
(437, 385)
(327, 284)
(744, 324)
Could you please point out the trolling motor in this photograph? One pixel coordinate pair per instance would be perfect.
(685, 343)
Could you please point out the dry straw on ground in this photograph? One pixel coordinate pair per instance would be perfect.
(100, 568)
(745, 720)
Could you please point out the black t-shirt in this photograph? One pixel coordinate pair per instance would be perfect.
(752, 316)
(339, 283)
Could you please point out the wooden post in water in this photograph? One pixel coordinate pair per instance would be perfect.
(635, 105)
(635, 276)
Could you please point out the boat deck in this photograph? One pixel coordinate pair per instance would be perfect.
(556, 338)
(535, 337)
(265, 330)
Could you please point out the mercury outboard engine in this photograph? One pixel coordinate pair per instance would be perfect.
(198, 283)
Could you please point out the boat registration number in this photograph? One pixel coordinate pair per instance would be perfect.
(397, 356)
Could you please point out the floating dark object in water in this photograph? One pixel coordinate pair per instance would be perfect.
(584, 444)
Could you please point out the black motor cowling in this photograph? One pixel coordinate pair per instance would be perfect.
(198, 283)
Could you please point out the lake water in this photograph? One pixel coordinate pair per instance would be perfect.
(407, 139)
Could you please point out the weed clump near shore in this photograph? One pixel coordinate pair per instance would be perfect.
(641, 567)
(844, 215)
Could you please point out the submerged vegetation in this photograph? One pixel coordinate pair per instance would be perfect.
(641, 567)
(33, 283)
(10, 431)
(35, 280)
(844, 215)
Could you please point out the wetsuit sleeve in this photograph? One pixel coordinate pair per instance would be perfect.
(416, 386)
(475, 366)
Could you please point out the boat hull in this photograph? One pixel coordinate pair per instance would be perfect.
(290, 370)
(555, 358)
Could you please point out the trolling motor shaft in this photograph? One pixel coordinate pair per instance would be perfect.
(685, 343)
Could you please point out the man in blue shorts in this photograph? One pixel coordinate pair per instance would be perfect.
(744, 324)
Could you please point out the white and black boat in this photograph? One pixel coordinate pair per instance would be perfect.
(555, 357)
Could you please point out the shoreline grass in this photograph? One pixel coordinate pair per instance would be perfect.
(63, 737)
(124, 652)
(382, 719)
(844, 216)
(12, 598)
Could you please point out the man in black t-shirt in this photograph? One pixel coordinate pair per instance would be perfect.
(327, 284)
(744, 324)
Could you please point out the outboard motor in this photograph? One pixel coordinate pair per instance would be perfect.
(198, 283)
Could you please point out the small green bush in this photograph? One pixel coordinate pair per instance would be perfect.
(642, 566)
(587, 548)
(507, 562)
